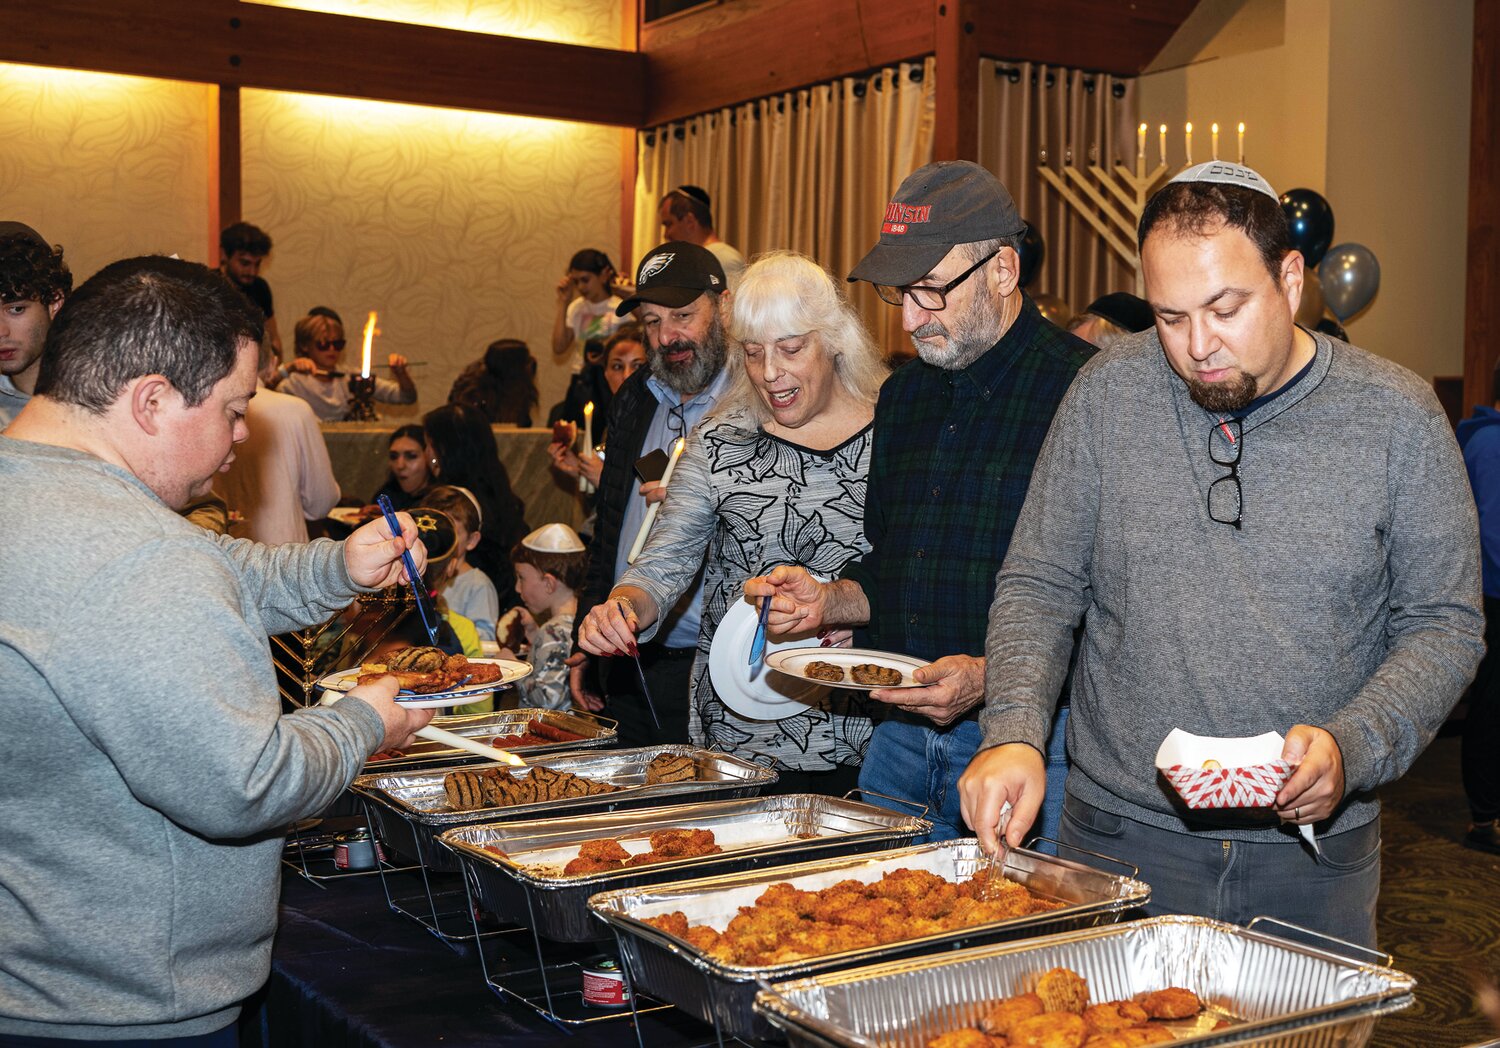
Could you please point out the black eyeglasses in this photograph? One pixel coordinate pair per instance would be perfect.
(330, 343)
(1225, 443)
(932, 299)
(676, 424)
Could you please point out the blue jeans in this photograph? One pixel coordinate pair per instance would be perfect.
(1236, 881)
(916, 762)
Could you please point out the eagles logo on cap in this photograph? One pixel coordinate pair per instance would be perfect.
(654, 265)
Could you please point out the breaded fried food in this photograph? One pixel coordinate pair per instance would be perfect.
(602, 849)
(1172, 1003)
(968, 1037)
(1134, 1037)
(818, 670)
(1063, 990)
(583, 865)
(682, 844)
(702, 936)
(1049, 1030)
(870, 673)
(1112, 1016)
(999, 1019)
(674, 923)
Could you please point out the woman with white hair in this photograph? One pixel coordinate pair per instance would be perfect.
(775, 475)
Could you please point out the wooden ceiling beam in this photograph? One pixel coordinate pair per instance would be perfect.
(252, 45)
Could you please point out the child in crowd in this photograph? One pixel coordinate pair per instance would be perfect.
(550, 563)
(466, 590)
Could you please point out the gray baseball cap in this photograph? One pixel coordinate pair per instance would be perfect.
(938, 206)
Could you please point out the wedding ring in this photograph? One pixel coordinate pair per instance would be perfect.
(1297, 812)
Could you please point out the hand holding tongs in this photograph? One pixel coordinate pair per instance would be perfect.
(994, 870)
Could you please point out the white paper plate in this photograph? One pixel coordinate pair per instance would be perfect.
(345, 515)
(767, 696)
(793, 663)
(510, 672)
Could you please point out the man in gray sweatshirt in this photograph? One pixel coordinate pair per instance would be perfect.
(1262, 529)
(148, 771)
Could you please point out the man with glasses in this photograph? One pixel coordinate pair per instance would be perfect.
(315, 376)
(1262, 530)
(956, 434)
(682, 298)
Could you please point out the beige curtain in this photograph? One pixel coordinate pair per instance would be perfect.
(1027, 111)
(810, 170)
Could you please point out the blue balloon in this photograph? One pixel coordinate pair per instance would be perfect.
(1351, 276)
(1311, 222)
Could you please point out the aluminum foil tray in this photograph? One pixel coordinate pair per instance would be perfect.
(526, 885)
(410, 808)
(665, 966)
(1272, 991)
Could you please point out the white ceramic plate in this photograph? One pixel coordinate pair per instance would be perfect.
(345, 515)
(510, 672)
(793, 663)
(766, 696)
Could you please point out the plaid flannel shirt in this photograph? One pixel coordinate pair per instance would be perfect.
(951, 462)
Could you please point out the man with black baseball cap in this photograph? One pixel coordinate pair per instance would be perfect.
(1111, 317)
(956, 434)
(682, 299)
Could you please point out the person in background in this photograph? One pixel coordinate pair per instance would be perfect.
(624, 354)
(775, 475)
(1479, 437)
(1111, 317)
(34, 280)
(549, 563)
(684, 301)
(586, 304)
(461, 452)
(467, 589)
(242, 250)
(281, 476)
(410, 476)
(687, 214)
(137, 675)
(956, 434)
(314, 373)
(501, 385)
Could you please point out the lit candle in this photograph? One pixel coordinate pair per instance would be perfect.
(588, 427)
(1140, 151)
(1214, 130)
(364, 360)
(1242, 141)
(1189, 144)
(1162, 146)
(666, 478)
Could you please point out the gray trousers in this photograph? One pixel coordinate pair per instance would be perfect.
(1235, 881)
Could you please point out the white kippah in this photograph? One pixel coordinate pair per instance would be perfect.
(1225, 173)
(554, 538)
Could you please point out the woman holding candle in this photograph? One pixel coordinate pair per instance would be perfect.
(774, 475)
(313, 373)
(624, 354)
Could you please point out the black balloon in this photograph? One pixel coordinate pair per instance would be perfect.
(1033, 251)
(1311, 222)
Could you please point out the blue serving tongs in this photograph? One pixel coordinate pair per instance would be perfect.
(418, 589)
(758, 643)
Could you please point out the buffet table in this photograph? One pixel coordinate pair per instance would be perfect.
(358, 450)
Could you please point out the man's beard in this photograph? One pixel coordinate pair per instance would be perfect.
(694, 374)
(1223, 397)
(970, 337)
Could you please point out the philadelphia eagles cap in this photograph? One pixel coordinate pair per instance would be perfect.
(673, 275)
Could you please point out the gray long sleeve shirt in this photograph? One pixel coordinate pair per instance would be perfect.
(148, 770)
(1349, 599)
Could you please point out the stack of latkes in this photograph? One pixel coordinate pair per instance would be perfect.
(607, 855)
(1057, 1014)
(497, 787)
(787, 924)
(671, 767)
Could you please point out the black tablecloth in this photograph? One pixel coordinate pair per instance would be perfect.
(347, 971)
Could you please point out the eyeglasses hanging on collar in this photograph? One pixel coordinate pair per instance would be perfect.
(1225, 496)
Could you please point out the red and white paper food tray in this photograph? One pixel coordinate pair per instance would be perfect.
(1241, 773)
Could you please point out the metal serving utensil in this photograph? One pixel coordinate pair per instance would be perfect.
(994, 870)
(645, 688)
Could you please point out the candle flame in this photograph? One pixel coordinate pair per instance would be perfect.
(1242, 127)
(1189, 127)
(1164, 129)
(588, 409)
(1215, 129)
(1143, 128)
(681, 443)
(364, 366)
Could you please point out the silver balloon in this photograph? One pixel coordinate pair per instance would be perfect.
(1351, 276)
(1310, 309)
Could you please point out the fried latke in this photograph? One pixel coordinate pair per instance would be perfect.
(1112, 1016)
(999, 1019)
(1049, 1030)
(1172, 1003)
(602, 850)
(968, 1037)
(1135, 1037)
(1063, 990)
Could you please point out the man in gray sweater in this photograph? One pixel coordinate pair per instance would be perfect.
(148, 770)
(1262, 530)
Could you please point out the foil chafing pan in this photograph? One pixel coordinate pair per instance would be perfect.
(665, 966)
(526, 884)
(1271, 990)
(410, 808)
(593, 733)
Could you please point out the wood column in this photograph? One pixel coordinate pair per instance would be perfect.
(223, 164)
(956, 93)
(1482, 305)
(630, 40)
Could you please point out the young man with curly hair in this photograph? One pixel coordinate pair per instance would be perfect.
(34, 280)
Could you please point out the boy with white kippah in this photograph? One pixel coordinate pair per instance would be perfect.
(550, 564)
